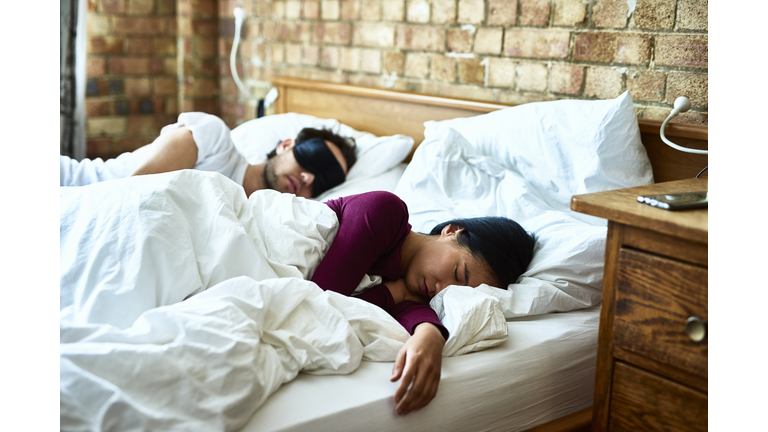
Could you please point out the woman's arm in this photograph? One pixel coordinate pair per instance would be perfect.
(175, 150)
(417, 366)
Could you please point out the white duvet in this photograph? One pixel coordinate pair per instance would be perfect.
(135, 355)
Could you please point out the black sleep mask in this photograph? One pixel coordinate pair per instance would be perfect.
(315, 156)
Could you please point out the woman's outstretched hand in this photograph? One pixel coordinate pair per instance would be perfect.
(417, 366)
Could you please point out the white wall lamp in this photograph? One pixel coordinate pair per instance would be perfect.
(682, 104)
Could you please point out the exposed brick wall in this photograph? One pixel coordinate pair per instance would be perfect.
(508, 51)
(147, 61)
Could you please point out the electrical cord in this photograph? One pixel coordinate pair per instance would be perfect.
(702, 171)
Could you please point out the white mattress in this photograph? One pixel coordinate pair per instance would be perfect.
(545, 370)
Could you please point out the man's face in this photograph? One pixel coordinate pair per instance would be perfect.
(284, 174)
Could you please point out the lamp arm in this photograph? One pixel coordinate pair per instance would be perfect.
(682, 104)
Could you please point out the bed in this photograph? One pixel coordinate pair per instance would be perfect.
(540, 375)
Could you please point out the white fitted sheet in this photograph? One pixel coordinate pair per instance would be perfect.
(545, 370)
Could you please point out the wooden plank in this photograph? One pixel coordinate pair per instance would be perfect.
(655, 296)
(622, 206)
(580, 421)
(647, 402)
(603, 379)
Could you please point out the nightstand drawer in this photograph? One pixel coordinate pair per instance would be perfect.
(655, 297)
(644, 401)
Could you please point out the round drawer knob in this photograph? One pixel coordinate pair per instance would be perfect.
(696, 328)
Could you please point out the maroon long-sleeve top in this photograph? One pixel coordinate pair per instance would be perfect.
(372, 229)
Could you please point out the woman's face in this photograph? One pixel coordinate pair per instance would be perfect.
(443, 263)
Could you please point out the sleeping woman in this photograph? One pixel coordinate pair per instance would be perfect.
(375, 238)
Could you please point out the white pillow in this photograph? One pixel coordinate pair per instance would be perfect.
(375, 155)
(562, 148)
(529, 176)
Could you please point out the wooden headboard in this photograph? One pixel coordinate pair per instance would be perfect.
(388, 112)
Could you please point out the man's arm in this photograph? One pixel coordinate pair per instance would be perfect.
(175, 150)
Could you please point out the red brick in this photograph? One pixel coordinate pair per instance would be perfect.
(537, 43)
(488, 40)
(99, 25)
(502, 12)
(370, 10)
(137, 86)
(349, 10)
(105, 45)
(205, 27)
(209, 9)
(145, 125)
(603, 83)
(139, 26)
(682, 50)
(532, 76)
(693, 14)
(329, 57)
(264, 8)
(394, 62)
(200, 87)
(311, 10)
(443, 11)
(140, 46)
(444, 68)
(164, 86)
(374, 34)
(421, 38)
(105, 126)
(94, 67)
(654, 14)
(610, 13)
(350, 59)
(293, 9)
(370, 61)
(416, 65)
(471, 71)
(646, 85)
(459, 40)
(113, 6)
(98, 148)
(392, 10)
(566, 78)
(278, 9)
(332, 33)
(302, 32)
(569, 12)
(613, 47)
(471, 11)
(311, 55)
(329, 9)
(97, 107)
(164, 46)
(141, 7)
(166, 7)
(418, 11)
(693, 86)
(534, 12)
(501, 72)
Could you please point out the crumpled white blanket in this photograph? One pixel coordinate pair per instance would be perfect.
(135, 355)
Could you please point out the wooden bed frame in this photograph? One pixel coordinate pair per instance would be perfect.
(387, 112)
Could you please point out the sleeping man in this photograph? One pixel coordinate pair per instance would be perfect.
(306, 166)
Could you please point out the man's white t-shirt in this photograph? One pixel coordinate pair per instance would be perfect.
(215, 152)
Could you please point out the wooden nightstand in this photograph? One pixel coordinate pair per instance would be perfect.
(651, 374)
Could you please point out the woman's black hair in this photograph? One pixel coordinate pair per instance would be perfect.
(502, 243)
